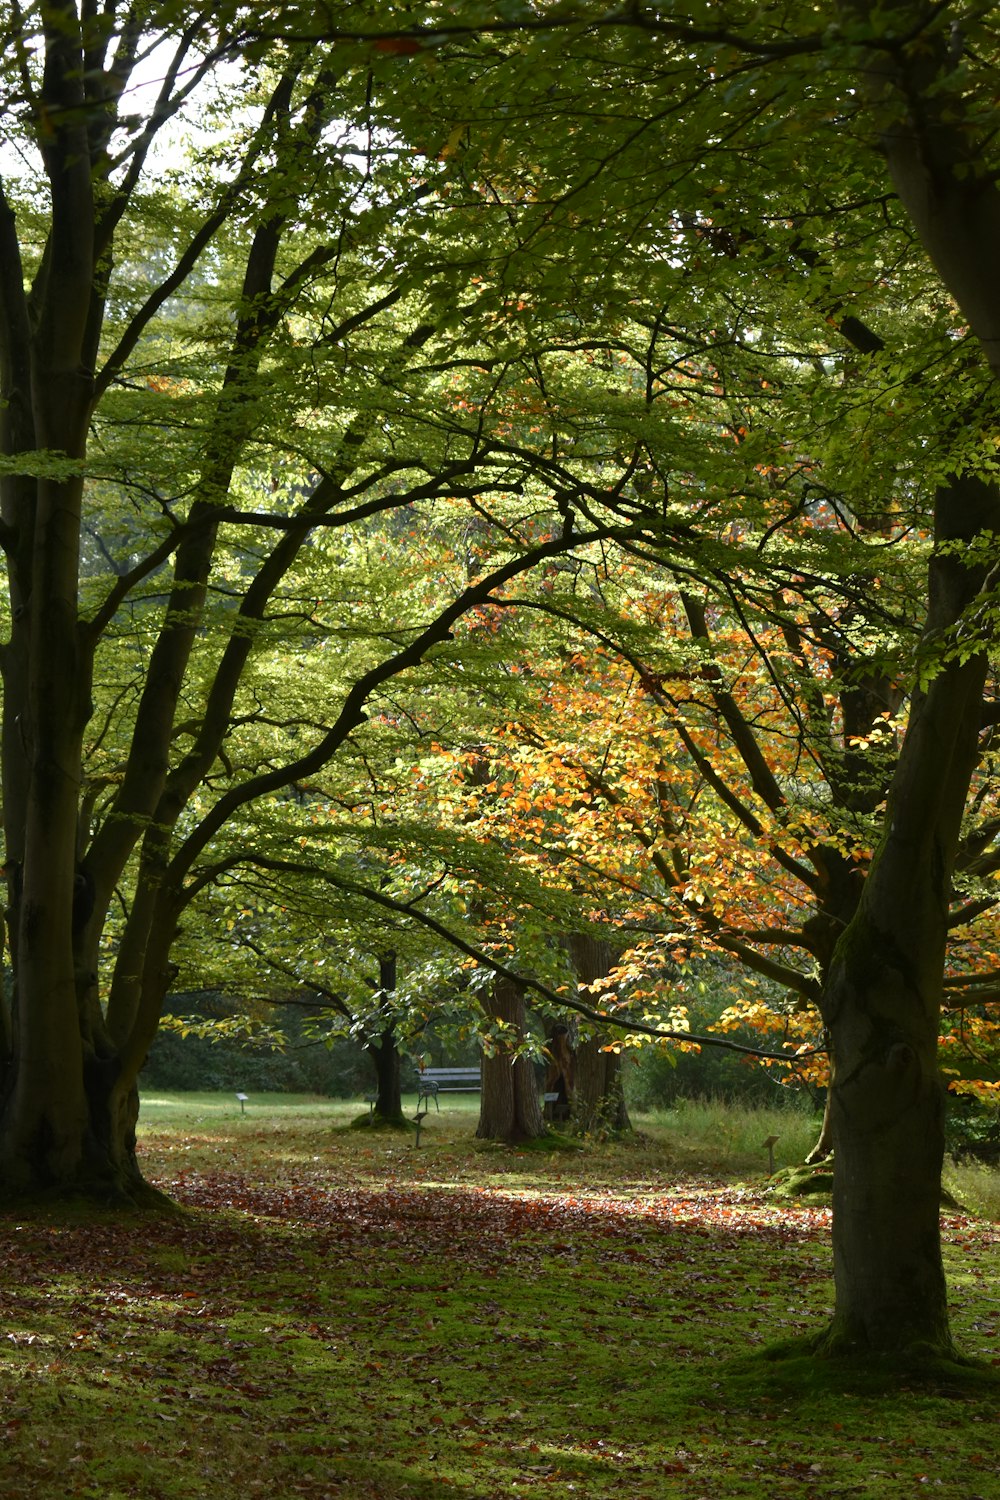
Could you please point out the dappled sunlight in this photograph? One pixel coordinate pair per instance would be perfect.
(336, 1313)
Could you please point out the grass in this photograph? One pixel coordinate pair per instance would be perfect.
(731, 1136)
(340, 1314)
(975, 1186)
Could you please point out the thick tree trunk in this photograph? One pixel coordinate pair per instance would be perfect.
(510, 1108)
(882, 1001)
(114, 1113)
(598, 1095)
(881, 1004)
(599, 1106)
(44, 1137)
(886, 1115)
(55, 1131)
(97, 1159)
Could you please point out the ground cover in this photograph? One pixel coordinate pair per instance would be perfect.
(338, 1313)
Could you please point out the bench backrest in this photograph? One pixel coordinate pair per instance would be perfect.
(459, 1079)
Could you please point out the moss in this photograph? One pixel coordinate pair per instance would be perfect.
(380, 1122)
(73, 1203)
(828, 1364)
(550, 1141)
(803, 1181)
(816, 1183)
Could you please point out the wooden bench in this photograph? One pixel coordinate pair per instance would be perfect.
(434, 1081)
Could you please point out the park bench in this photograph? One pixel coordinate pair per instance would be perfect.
(434, 1081)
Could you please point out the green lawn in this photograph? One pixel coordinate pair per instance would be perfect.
(337, 1313)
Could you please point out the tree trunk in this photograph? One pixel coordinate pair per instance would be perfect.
(886, 1113)
(882, 1001)
(598, 1096)
(114, 1113)
(388, 1075)
(599, 1106)
(881, 1004)
(383, 1051)
(69, 1101)
(937, 144)
(510, 1109)
(44, 1135)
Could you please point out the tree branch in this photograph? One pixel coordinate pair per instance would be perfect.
(406, 909)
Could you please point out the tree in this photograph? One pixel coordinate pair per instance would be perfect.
(510, 1109)
(748, 250)
(227, 392)
(714, 774)
(718, 97)
(289, 931)
(598, 1101)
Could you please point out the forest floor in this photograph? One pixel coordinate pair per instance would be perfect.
(339, 1313)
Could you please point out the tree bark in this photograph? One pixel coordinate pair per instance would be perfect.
(599, 1106)
(881, 1003)
(69, 1100)
(384, 1053)
(44, 1134)
(938, 146)
(510, 1108)
(388, 1077)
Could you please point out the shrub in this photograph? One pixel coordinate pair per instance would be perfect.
(661, 1075)
(972, 1129)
